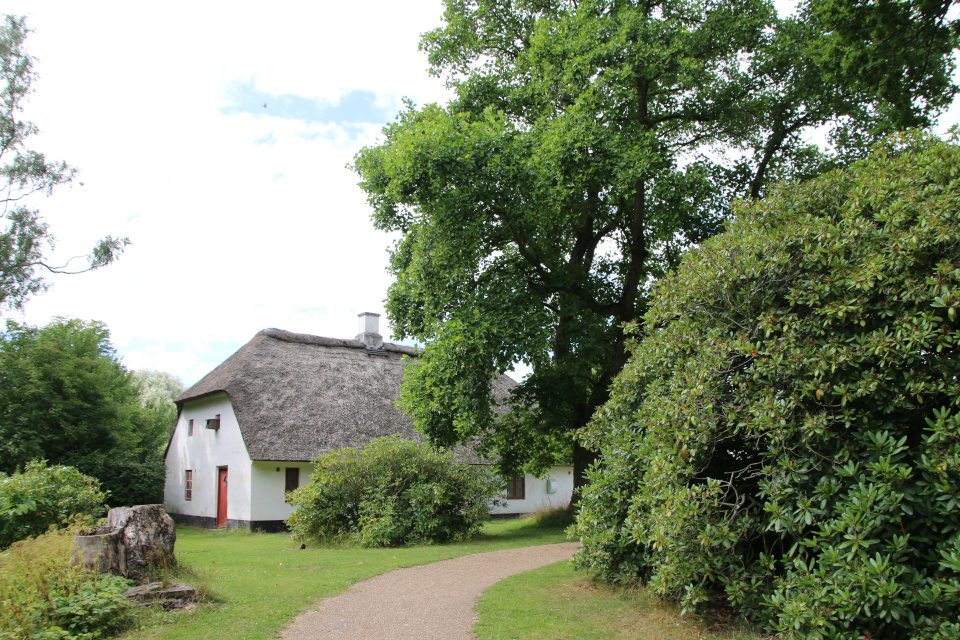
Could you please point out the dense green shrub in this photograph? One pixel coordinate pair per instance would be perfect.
(47, 597)
(127, 479)
(39, 497)
(788, 428)
(393, 491)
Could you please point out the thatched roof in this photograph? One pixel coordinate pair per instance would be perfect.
(297, 396)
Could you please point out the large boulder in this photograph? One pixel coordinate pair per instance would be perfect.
(136, 542)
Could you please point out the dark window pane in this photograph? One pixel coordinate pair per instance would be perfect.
(515, 488)
(293, 478)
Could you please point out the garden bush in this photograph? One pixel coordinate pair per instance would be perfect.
(47, 597)
(39, 497)
(787, 429)
(127, 478)
(393, 491)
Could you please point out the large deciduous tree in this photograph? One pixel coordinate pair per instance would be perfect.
(66, 397)
(589, 143)
(24, 235)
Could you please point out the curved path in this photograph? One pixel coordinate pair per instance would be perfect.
(430, 602)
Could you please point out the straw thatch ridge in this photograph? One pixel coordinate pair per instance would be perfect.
(297, 396)
(305, 338)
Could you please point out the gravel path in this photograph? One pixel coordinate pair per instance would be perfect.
(429, 602)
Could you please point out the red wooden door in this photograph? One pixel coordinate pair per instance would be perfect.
(222, 497)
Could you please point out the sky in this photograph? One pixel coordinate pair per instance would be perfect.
(216, 139)
(216, 136)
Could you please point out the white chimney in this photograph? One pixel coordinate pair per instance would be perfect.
(370, 330)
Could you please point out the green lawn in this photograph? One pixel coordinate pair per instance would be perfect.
(261, 581)
(258, 582)
(558, 603)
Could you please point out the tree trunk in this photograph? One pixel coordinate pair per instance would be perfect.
(582, 459)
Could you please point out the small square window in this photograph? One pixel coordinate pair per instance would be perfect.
(190, 427)
(293, 479)
(515, 488)
(188, 492)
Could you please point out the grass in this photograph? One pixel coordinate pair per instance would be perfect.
(550, 516)
(256, 583)
(41, 589)
(557, 603)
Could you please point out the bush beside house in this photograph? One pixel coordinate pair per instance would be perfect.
(393, 491)
(788, 429)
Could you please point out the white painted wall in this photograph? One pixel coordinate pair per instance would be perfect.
(536, 496)
(267, 484)
(204, 452)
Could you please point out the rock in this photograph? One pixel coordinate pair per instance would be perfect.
(136, 541)
(144, 591)
(155, 591)
(178, 596)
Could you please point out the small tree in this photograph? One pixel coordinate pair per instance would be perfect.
(41, 496)
(393, 491)
(788, 431)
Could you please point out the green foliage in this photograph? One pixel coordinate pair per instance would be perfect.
(24, 234)
(855, 44)
(66, 397)
(127, 479)
(391, 492)
(137, 476)
(788, 430)
(64, 392)
(41, 497)
(158, 390)
(587, 146)
(47, 597)
(157, 387)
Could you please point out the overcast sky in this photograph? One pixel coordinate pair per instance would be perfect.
(216, 136)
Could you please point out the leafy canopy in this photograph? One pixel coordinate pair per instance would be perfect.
(787, 430)
(588, 145)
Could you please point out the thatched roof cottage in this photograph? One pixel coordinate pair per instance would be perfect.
(247, 431)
